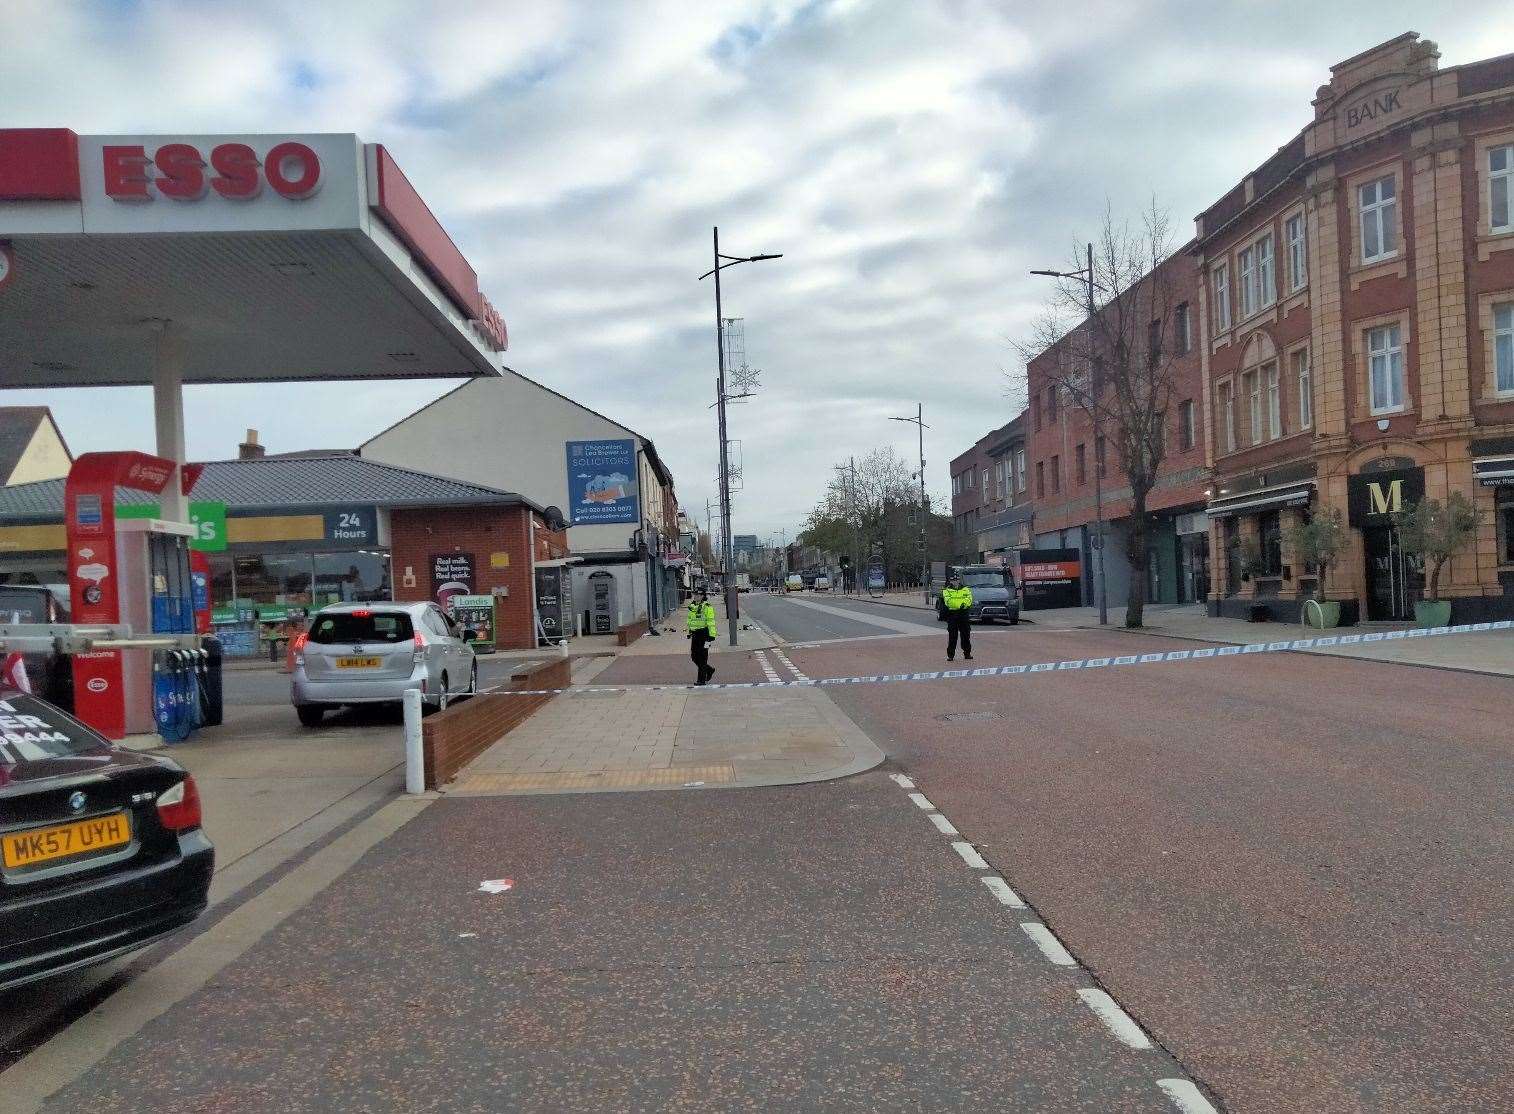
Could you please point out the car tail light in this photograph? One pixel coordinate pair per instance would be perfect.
(362, 614)
(179, 808)
(419, 654)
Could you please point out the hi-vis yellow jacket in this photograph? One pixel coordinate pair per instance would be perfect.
(702, 617)
(957, 599)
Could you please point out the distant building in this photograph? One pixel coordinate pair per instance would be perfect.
(31, 448)
(991, 502)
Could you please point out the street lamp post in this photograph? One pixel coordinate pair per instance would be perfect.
(919, 420)
(1086, 274)
(727, 552)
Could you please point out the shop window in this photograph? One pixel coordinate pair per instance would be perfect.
(1305, 388)
(276, 578)
(1298, 252)
(1500, 186)
(352, 576)
(1385, 368)
(1379, 219)
(1219, 279)
(1185, 425)
(1503, 348)
(1270, 533)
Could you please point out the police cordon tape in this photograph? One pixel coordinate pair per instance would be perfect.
(1206, 653)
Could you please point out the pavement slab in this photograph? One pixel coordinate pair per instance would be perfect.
(812, 948)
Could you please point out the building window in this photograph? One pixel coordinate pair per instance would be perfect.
(1274, 401)
(1500, 186)
(1180, 329)
(1035, 410)
(1020, 479)
(1154, 341)
(1298, 252)
(1503, 348)
(1305, 388)
(1056, 473)
(969, 476)
(1185, 425)
(1226, 422)
(987, 494)
(1245, 273)
(1080, 466)
(1220, 282)
(1251, 386)
(1379, 219)
(1385, 368)
(1266, 273)
(1051, 404)
(1098, 456)
(1040, 479)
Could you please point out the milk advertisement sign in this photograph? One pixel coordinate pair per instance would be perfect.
(602, 482)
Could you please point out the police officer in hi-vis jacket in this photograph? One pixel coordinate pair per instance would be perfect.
(701, 633)
(957, 602)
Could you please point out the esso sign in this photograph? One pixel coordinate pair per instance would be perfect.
(180, 172)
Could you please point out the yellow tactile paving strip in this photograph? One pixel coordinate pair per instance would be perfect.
(484, 782)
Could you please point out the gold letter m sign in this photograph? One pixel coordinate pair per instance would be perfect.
(1381, 503)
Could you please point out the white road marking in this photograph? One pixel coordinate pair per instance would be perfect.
(1000, 889)
(1116, 1020)
(970, 855)
(767, 667)
(901, 781)
(1047, 941)
(1186, 1096)
(922, 801)
(794, 669)
(945, 826)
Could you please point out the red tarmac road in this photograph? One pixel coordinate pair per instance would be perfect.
(1297, 871)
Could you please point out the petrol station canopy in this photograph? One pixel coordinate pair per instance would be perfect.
(279, 257)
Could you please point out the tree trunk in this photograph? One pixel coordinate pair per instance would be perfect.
(1139, 558)
(1435, 579)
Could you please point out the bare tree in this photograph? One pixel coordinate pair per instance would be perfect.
(1114, 361)
(866, 501)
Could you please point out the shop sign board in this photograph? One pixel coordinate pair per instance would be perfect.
(602, 482)
(1051, 578)
(1373, 498)
(451, 576)
(356, 525)
(207, 517)
(476, 613)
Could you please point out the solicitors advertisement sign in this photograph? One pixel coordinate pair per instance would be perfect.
(602, 482)
(1051, 578)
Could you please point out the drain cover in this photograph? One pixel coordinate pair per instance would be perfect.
(970, 717)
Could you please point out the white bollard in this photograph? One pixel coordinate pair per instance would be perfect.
(415, 755)
(562, 647)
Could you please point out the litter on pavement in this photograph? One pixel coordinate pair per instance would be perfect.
(496, 885)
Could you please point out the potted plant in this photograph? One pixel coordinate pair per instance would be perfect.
(1435, 532)
(1318, 543)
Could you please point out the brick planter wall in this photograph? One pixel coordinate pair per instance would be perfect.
(632, 631)
(453, 738)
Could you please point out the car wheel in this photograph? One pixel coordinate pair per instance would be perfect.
(310, 714)
(1014, 620)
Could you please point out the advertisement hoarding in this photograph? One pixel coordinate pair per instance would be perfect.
(451, 576)
(602, 482)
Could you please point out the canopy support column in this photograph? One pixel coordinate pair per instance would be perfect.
(168, 414)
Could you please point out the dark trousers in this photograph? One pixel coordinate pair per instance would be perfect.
(958, 624)
(699, 651)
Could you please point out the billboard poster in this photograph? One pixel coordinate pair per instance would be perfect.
(451, 576)
(1051, 578)
(602, 482)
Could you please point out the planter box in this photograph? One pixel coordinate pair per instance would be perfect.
(1322, 614)
(1432, 613)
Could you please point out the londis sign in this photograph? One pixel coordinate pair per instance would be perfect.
(235, 171)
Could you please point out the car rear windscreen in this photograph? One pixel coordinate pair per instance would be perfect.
(32, 730)
(362, 626)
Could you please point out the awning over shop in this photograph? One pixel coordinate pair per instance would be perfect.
(1494, 471)
(1264, 499)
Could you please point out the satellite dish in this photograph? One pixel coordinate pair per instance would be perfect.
(555, 519)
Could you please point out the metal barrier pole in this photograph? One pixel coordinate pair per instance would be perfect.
(415, 757)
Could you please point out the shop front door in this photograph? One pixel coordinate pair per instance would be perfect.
(1393, 580)
(1193, 585)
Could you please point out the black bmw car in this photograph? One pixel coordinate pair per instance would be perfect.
(101, 850)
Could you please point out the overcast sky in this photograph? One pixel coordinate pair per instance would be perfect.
(912, 160)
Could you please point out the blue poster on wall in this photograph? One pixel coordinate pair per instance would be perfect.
(601, 482)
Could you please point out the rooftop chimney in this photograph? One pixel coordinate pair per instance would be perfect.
(250, 449)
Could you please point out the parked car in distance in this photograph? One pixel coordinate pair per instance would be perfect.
(995, 594)
(101, 850)
(793, 582)
(822, 583)
(371, 653)
(51, 674)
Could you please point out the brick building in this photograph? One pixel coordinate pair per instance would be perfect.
(991, 509)
(1358, 335)
(1064, 452)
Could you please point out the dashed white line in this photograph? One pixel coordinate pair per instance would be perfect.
(1047, 941)
(922, 801)
(767, 667)
(943, 825)
(1186, 1095)
(970, 855)
(1000, 889)
(794, 669)
(901, 781)
(1116, 1020)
